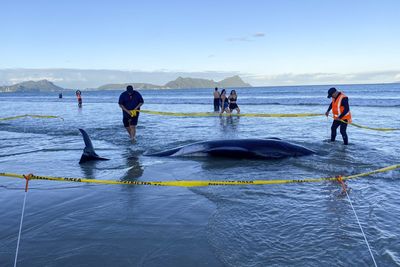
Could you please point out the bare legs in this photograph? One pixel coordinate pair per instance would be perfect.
(237, 110)
(131, 131)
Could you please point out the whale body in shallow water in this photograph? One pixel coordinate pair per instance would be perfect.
(271, 148)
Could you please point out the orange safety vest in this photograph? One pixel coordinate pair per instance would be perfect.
(337, 108)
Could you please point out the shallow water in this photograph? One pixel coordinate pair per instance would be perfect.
(73, 224)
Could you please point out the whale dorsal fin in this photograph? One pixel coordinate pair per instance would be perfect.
(88, 152)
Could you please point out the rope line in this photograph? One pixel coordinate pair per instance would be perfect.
(31, 116)
(362, 231)
(344, 190)
(214, 114)
(369, 128)
(20, 229)
(264, 115)
(27, 177)
(193, 183)
(198, 183)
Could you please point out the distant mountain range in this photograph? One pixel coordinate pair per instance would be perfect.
(119, 86)
(182, 83)
(32, 86)
(179, 83)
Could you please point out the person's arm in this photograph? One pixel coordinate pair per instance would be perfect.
(124, 109)
(138, 106)
(345, 104)
(121, 105)
(329, 109)
(141, 102)
(222, 105)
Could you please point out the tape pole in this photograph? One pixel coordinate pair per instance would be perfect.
(199, 183)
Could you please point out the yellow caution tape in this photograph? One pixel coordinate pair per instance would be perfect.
(133, 112)
(374, 129)
(188, 183)
(214, 114)
(265, 115)
(32, 116)
(370, 128)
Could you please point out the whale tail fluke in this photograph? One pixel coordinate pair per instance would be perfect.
(88, 152)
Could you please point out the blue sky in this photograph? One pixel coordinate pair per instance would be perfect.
(263, 41)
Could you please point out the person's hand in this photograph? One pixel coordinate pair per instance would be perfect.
(133, 113)
(327, 113)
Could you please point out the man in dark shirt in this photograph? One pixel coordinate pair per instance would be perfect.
(130, 102)
(341, 113)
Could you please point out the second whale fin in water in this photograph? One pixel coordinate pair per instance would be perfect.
(88, 152)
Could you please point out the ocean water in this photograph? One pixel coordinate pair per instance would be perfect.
(77, 224)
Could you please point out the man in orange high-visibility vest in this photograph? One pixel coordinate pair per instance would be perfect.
(341, 113)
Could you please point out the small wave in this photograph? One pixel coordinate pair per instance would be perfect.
(393, 256)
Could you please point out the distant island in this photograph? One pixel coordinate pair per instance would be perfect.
(32, 86)
(182, 83)
(179, 83)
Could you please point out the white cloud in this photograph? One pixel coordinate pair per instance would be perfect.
(238, 39)
(246, 38)
(323, 78)
(259, 34)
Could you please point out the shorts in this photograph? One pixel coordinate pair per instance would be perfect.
(226, 104)
(216, 104)
(132, 121)
(232, 106)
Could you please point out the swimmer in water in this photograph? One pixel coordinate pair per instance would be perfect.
(78, 94)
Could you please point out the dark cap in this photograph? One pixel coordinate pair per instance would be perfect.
(331, 91)
(129, 88)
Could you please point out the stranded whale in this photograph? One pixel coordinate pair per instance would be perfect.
(271, 148)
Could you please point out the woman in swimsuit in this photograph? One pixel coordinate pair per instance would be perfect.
(232, 102)
(78, 94)
(224, 102)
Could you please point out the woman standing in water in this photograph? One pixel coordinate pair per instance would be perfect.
(79, 98)
(232, 102)
(224, 102)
